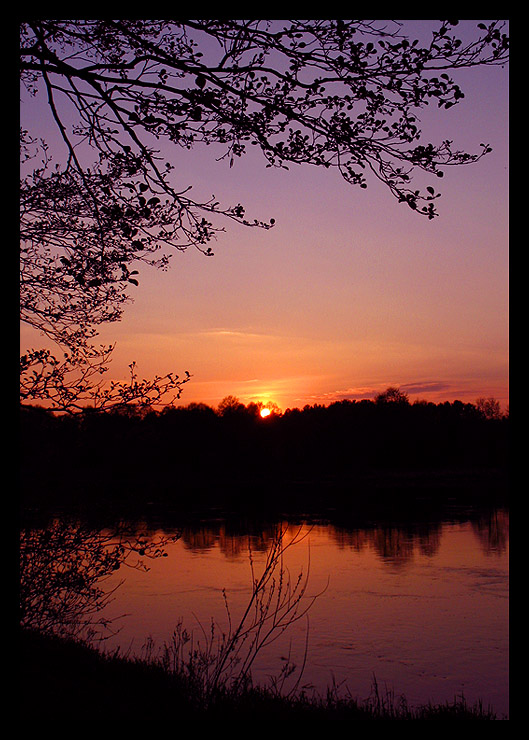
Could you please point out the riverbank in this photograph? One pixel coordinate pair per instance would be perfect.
(66, 679)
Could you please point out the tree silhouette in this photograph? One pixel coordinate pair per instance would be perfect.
(329, 93)
(63, 569)
(230, 405)
(392, 395)
(194, 456)
(489, 408)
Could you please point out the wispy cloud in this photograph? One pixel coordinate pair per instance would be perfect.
(237, 334)
(348, 394)
(431, 386)
(427, 388)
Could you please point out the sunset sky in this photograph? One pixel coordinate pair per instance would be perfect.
(350, 292)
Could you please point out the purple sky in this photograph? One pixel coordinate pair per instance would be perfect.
(350, 292)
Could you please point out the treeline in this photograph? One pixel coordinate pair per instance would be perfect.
(180, 451)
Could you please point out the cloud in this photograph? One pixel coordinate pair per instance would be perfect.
(350, 394)
(360, 393)
(237, 334)
(432, 386)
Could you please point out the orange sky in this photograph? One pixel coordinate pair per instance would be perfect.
(350, 292)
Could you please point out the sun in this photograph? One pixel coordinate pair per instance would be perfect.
(264, 413)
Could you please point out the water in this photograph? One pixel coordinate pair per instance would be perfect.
(423, 608)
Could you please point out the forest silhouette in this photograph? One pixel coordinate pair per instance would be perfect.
(197, 456)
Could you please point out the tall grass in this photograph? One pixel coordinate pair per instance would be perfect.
(68, 679)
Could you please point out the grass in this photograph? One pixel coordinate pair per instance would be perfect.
(69, 679)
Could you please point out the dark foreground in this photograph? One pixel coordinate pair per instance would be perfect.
(64, 679)
(345, 463)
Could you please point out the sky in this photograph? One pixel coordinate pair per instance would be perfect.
(349, 292)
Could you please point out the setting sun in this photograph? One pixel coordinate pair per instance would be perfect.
(265, 412)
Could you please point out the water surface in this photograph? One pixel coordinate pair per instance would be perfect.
(422, 608)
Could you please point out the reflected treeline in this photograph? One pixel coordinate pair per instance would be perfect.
(196, 456)
(397, 545)
(393, 543)
(234, 538)
(68, 568)
(492, 531)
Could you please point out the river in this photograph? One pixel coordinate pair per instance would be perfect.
(421, 609)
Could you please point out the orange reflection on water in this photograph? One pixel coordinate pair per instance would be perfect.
(424, 608)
